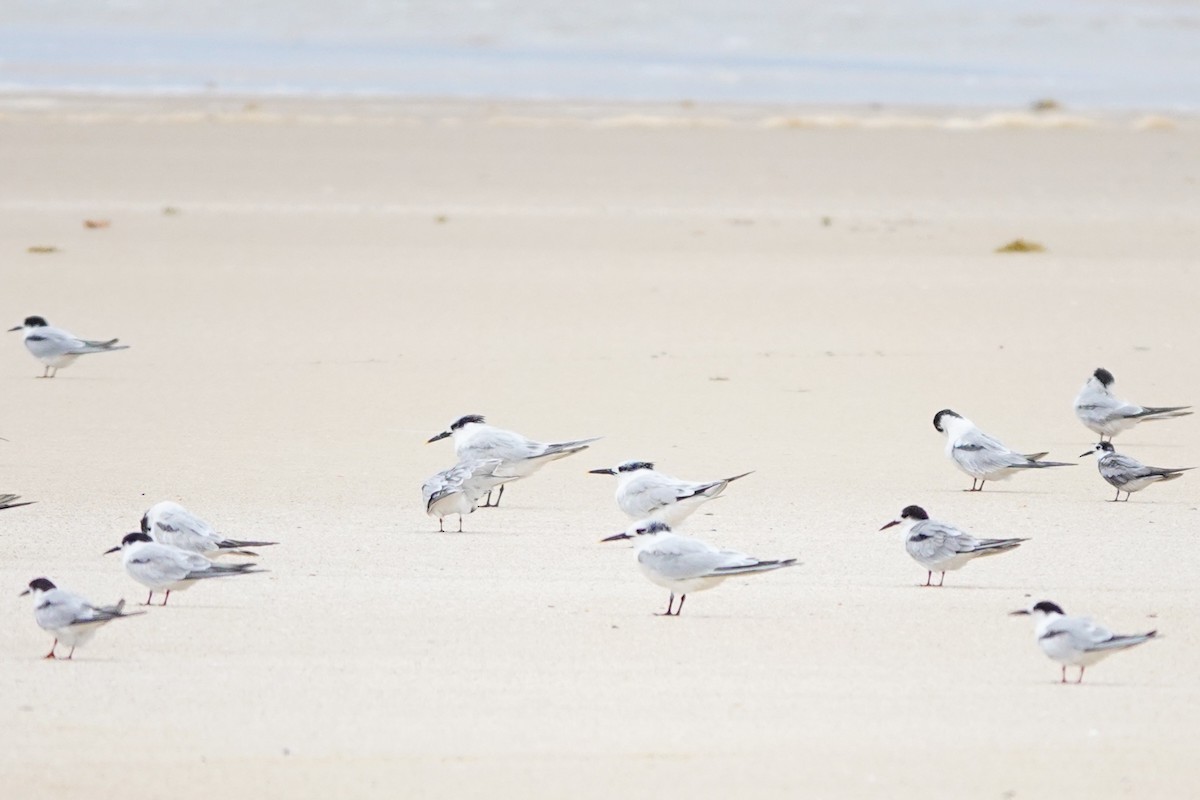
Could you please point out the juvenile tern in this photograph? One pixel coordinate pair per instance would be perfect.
(939, 547)
(643, 492)
(457, 490)
(1108, 415)
(162, 567)
(72, 619)
(172, 524)
(1127, 474)
(1076, 641)
(57, 348)
(685, 565)
(981, 456)
(475, 440)
(9, 501)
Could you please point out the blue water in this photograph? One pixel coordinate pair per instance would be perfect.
(1082, 53)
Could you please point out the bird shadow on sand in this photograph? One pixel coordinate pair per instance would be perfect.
(1087, 682)
(464, 533)
(990, 491)
(962, 587)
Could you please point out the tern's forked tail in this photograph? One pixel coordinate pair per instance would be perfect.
(1035, 464)
(1150, 414)
(759, 566)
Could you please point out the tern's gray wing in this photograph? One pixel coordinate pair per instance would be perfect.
(59, 608)
(556, 448)
(978, 452)
(165, 564)
(444, 483)
(95, 346)
(45, 342)
(174, 525)
(936, 541)
(1120, 469)
(655, 491)
(1085, 635)
(932, 543)
(498, 443)
(1101, 406)
(105, 613)
(212, 570)
(1117, 410)
(679, 558)
(472, 478)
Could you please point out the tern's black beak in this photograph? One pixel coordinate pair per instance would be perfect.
(606, 471)
(441, 435)
(111, 550)
(1024, 612)
(22, 594)
(1088, 453)
(615, 537)
(890, 524)
(19, 327)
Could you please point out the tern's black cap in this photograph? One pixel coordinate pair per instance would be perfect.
(937, 418)
(1047, 607)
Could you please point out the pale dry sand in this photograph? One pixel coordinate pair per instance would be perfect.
(344, 279)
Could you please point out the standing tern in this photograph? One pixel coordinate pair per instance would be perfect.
(939, 547)
(1076, 641)
(643, 492)
(1108, 415)
(172, 524)
(57, 348)
(457, 490)
(162, 567)
(981, 456)
(684, 565)
(1127, 474)
(72, 619)
(475, 440)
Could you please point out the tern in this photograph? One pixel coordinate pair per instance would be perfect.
(1108, 415)
(161, 567)
(645, 493)
(1076, 641)
(475, 440)
(981, 456)
(457, 490)
(72, 619)
(57, 348)
(172, 524)
(1127, 474)
(685, 565)
(939, 547)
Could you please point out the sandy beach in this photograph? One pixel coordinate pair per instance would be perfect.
(312, 289)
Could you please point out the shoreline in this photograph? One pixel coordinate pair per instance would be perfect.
(400, 111)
